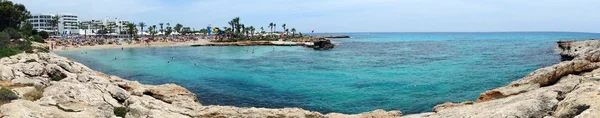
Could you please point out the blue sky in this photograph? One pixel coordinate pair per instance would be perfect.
(346, 15)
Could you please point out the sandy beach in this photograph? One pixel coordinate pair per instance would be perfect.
(126, 45)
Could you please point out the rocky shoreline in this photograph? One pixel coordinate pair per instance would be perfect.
(70, 89)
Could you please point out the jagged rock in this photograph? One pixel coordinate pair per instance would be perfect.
(28, 109)
(117, 93)
(149, 107)
(31, 69)
(171, 93)
(373, 114)
(539, 78)
(235, 112)
(536, 103)
(584, 101)
(77, 97)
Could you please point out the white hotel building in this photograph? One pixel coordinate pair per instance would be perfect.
(119, 26)
(67, 23)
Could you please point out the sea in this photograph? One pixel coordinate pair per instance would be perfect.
(410, 72)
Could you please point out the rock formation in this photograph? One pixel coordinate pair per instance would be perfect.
(323, 44)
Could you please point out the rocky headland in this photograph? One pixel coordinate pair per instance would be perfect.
(70, 89)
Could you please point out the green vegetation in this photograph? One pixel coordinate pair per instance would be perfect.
(37, 38)
(16, 35)
(43, 34)
(6, 95)
(120, 111)
(56, 78)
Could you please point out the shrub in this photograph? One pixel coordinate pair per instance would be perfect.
(24, 45)
(6, 51)
(44, 34)
(4, 38)
(13, 33)
(120, 111)
(34, 95)
(40, 49)
(7, 94)
(57, 78)
(37, 38)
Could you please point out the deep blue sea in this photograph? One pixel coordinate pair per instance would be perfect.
(411, 72)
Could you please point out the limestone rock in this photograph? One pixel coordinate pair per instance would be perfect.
(373, 114)
(22, 90)
(172, 93)
(539, 78)
(584, 101)
(31, 69)
(6, 72)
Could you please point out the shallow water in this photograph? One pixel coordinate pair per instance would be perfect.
(411, 72)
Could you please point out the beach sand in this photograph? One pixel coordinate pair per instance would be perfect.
(125, 45)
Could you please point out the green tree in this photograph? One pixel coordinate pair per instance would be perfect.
(12, 33)
(153, 31)
(142, 25)
(11, 14)
(235, 24)
(293, 32)
(44, 34)
(54, 22)
(271, 26)
(27, 29)
(131, 30)
(178, 27)
(284, 28)
(161, 27)
(85, 28)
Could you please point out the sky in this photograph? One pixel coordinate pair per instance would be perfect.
(328, 16)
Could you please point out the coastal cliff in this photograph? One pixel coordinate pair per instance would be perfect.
(70, 89)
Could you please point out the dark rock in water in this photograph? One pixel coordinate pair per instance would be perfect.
(323, 44)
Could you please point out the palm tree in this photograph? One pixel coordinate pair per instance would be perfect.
(275, 27)
(293, 32)
(271, 26)
(262, 29)
(152, 30)
(286, 32)
(111, 27)
(178, 27)
(54, 22)
(142, 25)
(236, 24)
(161, 27)
(131, 28)
(251, 28)
(84, 27)
(284, 28)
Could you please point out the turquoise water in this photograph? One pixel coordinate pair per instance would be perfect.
(411, 72)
